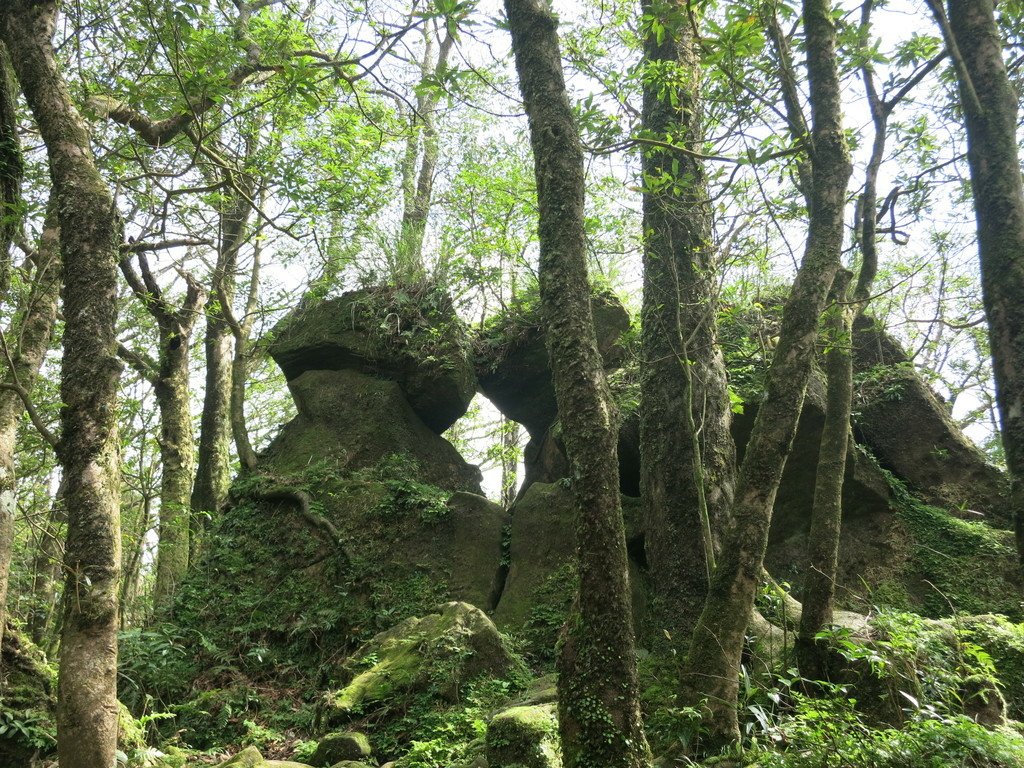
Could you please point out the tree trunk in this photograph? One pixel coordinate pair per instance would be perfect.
(213, 470)
(711, 671)
(990, 117)
(90, 239)
(177, 460)
(836, 435)
(827, 505)
(688, 461)
(12, 170)
(418, 188)
(598, 702)
(31, 327)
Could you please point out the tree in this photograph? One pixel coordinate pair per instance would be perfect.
(598, 702)
(688, 457)
(90, 239)
(711, 671)
(169, 376)
(989, 104)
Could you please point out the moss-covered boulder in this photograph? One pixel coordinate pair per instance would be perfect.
(27, 701)
(438, 654)
(512, 360)
(250, 757)
(308, 565)
(541, 579)
(359, 420)
(910, 430)
(409, 335)
(337, 747)
(524, 737)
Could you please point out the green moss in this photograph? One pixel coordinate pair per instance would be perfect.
(957, 564)
(1003, 641)
(524, 737)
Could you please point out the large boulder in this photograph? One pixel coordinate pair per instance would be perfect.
(411, 336)
(867, 549)
(910, 431)
(541, 578)
(359, 420)
(512, 360)
(309, 564)
(438, 653)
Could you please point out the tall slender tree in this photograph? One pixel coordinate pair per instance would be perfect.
(989, 105)
(169, 375)
(90, 239)
(598, 702)
(711, 671)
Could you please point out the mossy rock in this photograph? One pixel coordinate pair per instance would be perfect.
(359, 420)
(27, 700)
(541, 579)
(911, 432)
(250, 757)
(409, 335)
(524, 737)
(512, 360)
(285, 593)
(438, 654)
(340, 747)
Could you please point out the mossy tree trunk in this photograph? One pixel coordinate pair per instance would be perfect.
(169, 375)
(836, 436)
(599, 713)
(989, 104)
(24, 345)
(711, 671)
(827, 504)
(688, 459)
(213, 469)
(90, 238)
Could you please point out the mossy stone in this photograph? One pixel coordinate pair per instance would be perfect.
(438, 653)
(1004, 642)
(909, 429)
(359, 420)
(541, 579)
(337, 747)
(249, 757)
(524, 737)
(512, 360)
(411, 336)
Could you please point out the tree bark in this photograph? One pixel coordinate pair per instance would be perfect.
(989, 105)
(827, 504)
(598, 702)
(170, 381)
(90, 237)
(711, 671)
(836, 435)
(25, 344)
(12, 169)
(688, 459)
(213, 471)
